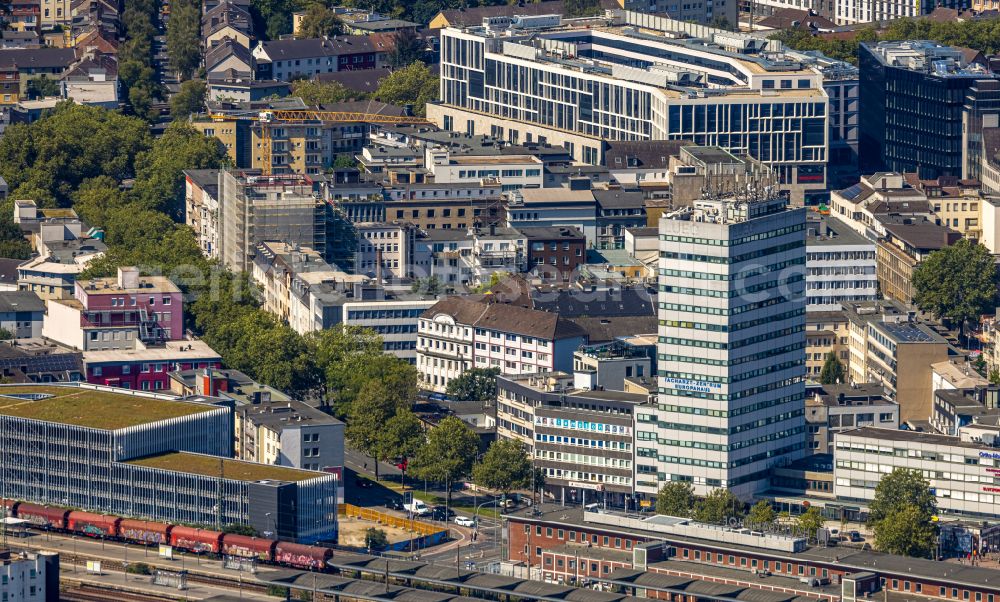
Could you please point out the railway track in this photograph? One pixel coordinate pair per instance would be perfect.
(85, 593)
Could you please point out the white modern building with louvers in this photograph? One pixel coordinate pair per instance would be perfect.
(631, 76)
(731, 348)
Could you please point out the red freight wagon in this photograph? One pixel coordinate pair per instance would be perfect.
(196, 540)
(93, 525)
(42, 516)
(302, 556)
(144, 531)
(248, 547)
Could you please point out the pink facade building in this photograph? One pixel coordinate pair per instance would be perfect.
(148, 368)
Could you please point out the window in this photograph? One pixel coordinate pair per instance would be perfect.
(166, 300)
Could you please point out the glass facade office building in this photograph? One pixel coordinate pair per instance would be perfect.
(914, 95)
(615, 84)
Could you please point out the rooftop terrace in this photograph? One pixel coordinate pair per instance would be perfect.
(91, 408)
(216, 466)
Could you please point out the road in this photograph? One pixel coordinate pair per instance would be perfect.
(485, 548)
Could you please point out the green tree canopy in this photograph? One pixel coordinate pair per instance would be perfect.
(833, 371)
(407, 48)
(370, 412)
(375, 539)
(323, 93)
(504, 467)
(414, 85)
(319, 21)
(718, 506)
(957, 282)
(184, 37)
(189, 99)
(901, 515)
(906, 532)
(475, 384)
(42, 86)
(675, 498)
(581, 8)
(48, 159)
(448, 454)
(762, 514)
(402, 435)
(160, 171)
(809, 522)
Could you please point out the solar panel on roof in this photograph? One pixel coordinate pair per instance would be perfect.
(851, 192)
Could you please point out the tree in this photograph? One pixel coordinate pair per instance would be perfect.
(184, 37)
(68, 145)
(407, 48)
(323, 93)
(401, 438)
(900, 488)
(448, 454)
(906, 532)
(273, 18)
(42, 86)
(189, 100)
(370, 413)
(319, 21)
(344, 162)
(833, 371)
(762, 514)
(718, 506)
(675, 498)
(475, 384)
(427, 286)
(160, 171)
(957, 282)
(995, 376)
(901, 514)
(581, 8)
(412, 85)
(375, 539)
(504, 467)
(809, 522)
(6, 335)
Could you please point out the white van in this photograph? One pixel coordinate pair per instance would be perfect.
(417, 507)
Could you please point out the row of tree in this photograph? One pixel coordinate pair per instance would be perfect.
(136, 69)
(902, 514)
(980, 34)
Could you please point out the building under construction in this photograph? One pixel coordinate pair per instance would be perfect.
(255, 209)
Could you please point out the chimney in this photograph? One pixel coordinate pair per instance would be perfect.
(128, 277)
(207, 385)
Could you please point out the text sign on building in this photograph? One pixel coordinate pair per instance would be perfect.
(591, 486)
(692, 385)
(583, 425)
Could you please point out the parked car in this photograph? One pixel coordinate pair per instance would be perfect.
(394, 503)
(465, 521)
(442, 513)
(855, 536)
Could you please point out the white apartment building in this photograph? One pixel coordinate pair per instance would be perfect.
(513, 171)
(849, 12)
(30, 577)
(877, 195)
(732, 347)
(964, 476)
(201, 208)
(473, 256)
(458, 334)
(528, 79)
(385, 250)
(840, 265)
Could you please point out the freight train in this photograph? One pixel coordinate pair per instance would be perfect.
(190, 539)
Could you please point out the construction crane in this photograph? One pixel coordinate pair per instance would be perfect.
(267, 118)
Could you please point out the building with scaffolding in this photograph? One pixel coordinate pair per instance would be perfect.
(151, 456)
(255, 209)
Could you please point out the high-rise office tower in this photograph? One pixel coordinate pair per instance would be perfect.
(731, 347)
